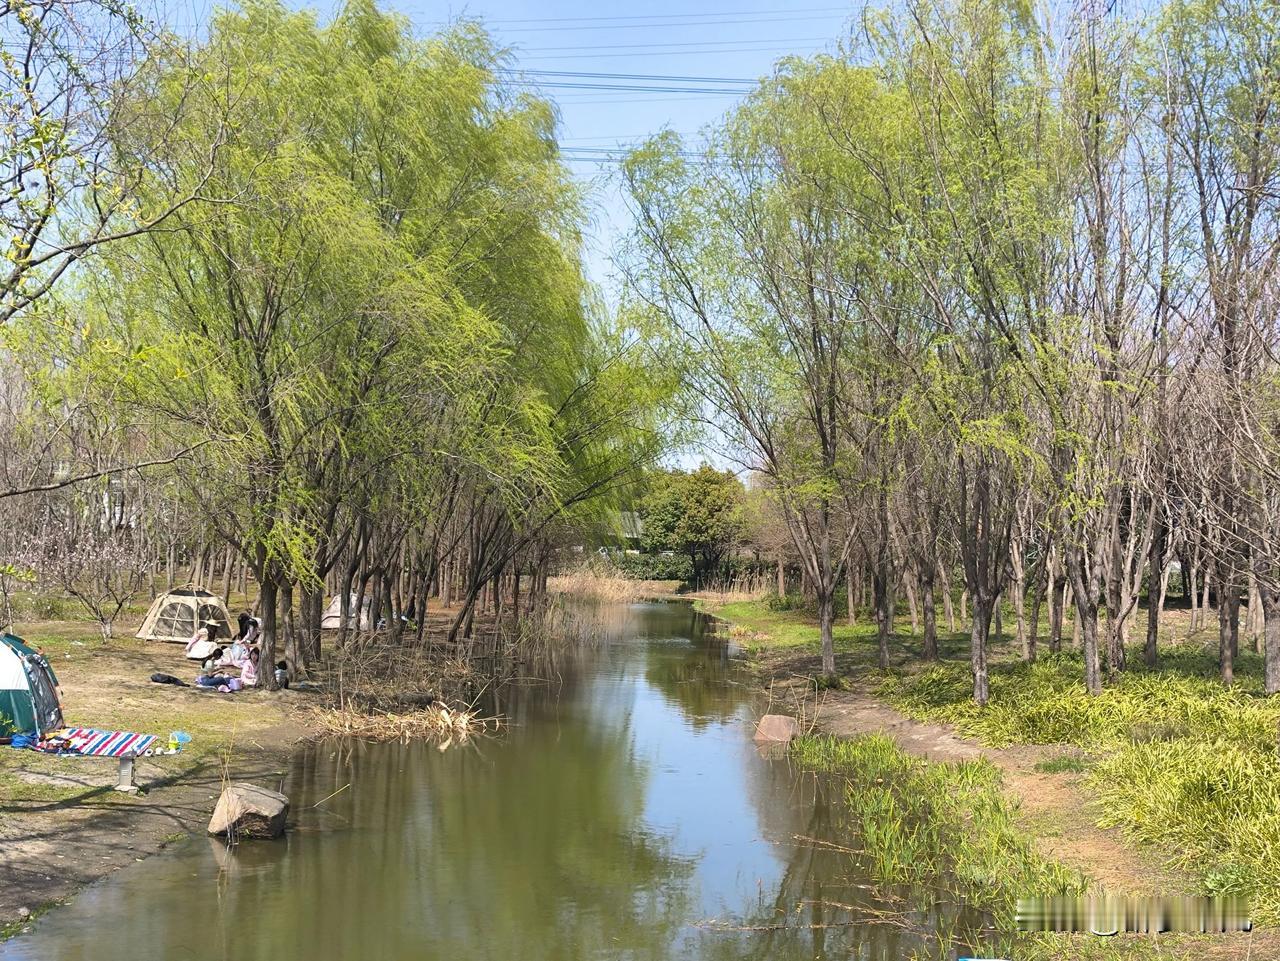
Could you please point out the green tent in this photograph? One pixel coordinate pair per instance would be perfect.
(28, 690)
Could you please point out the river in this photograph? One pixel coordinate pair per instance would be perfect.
(624, 813)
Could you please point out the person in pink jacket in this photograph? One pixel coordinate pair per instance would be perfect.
(249, 669)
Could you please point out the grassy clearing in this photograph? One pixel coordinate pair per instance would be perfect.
(1183, 764)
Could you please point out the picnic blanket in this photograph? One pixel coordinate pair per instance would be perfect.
(90, 742)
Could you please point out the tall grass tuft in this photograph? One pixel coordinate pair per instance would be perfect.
(944, 825)
(599, 580)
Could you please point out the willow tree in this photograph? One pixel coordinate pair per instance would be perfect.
(394, 287)
(975, 220)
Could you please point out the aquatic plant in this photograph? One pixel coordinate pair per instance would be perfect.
(437, 722)
(943, 825)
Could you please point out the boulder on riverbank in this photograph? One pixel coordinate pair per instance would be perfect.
(777, 729)
(249, 811)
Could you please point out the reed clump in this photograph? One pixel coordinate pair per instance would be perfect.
(436, 722)
(599, 580)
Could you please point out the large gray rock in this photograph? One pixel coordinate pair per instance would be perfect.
(248, 811)
(777, 728)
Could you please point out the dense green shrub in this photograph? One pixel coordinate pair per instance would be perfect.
(654, 567)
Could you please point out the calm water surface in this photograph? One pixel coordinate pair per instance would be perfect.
(625, 814)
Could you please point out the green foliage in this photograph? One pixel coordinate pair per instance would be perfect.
(786, 602)
(1067, 763)
(698, 513)
(385, 317)
(654, 567)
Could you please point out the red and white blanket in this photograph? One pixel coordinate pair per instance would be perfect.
(90, 742)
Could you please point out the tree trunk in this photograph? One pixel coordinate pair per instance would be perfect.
(1057, 601)
(947, 606)
(1155, 589)
(1228, 625)
(1271, 640)
(884, 612)
(1018, 586)
(267, 656)
(852, 614)
(982, 611)
(1037, 600)
(930, 649)
(1087, 626)
(287, 629)
(826, 615)
(227, 567)
(782, 576)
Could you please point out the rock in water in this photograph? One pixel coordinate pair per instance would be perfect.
(248, 811)
(777, 728)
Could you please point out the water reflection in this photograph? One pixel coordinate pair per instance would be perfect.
(624, 815)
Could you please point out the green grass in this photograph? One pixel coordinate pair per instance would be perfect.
(947, 829)
(946, 823)
(757, 627)
(1068, 763)
(1184, 764)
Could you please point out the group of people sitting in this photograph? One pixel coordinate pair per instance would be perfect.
(242, 655)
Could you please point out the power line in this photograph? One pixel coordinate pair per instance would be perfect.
(664, 16)
(638, 76)
(672, 53)
(646, 26)
(692, 43)
(642, 88)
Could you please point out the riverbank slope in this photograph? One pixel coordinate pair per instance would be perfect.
(1066, 788)
(62, 824)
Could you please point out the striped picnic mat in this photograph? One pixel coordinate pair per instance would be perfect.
(94, 743)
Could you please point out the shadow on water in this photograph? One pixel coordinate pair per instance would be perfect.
(624, 813)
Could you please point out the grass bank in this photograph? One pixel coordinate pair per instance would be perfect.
(945, 833)
(1175, 760)
(1183, 766)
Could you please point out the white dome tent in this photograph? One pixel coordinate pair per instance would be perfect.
(178, 614)
(331, 620)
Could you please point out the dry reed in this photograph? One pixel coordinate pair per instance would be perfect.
(602, 581)
(437, 722)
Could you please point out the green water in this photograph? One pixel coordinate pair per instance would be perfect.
(625, 814)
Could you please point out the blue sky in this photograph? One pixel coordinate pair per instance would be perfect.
(732, 39)
(716, 42)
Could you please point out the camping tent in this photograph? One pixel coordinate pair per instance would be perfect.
(332, 618)
(28, 690)
(177, 615)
